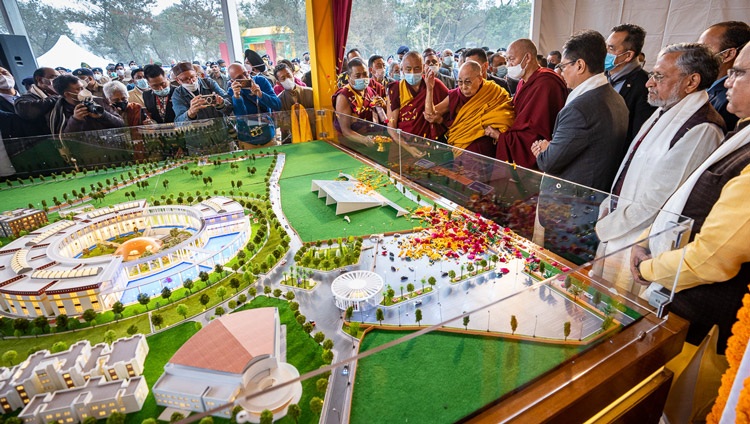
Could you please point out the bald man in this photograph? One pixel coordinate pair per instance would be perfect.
(476, 108)
(540, 95)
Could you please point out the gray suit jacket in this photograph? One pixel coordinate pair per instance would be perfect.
(589, 139)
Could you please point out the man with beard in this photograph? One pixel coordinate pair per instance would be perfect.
(673, 142)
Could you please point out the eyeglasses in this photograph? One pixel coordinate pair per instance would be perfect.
(735, 73)
(466, 82)
(561, 66)
(656, 77)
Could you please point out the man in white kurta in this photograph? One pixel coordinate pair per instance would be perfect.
(670, 145)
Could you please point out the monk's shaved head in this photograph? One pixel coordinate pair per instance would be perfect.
(414, 55)
(470, 69)
(523, 46)
(235, 70)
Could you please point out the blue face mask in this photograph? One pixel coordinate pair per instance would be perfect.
(501, 71)
(397, 77)
(609, 61)
(448, 60)
(141, 83)
(359, 84)
(223, 69)
(413, 79)
(163, 92)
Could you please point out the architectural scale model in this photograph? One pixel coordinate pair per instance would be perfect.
(52, 270)
(232, 357)
(15, 221)
(79, 382)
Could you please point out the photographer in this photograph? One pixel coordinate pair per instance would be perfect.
(133, 114)
(197, 98)
(78, 110)
(253, 96)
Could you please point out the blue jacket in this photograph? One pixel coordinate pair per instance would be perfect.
(246, 104)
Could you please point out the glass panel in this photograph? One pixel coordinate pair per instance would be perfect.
(468, 279)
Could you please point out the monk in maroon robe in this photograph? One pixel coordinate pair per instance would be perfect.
(356, 100)
(540, 95)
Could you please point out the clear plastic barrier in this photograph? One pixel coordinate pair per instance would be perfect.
(441, 281)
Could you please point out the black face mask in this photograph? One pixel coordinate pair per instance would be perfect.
(121, 105)
(551, 66)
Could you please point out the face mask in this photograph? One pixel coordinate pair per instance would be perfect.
(412, 79)
(163, 92)
(223, 69)
(609, 61)
(190, 87)
(516, 71)
(501, 71)
(551, 66)
(141, 83)
(133, 67)
(7, 82)
(113, 74)
(448, 60)
(360, 83)
(397, 77)
(120, 72)
(98, 77)
(121, 105)
(379, 74)
(84, 95)
(288, 84)
(435, 68)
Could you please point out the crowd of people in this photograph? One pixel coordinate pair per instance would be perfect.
(671, 141)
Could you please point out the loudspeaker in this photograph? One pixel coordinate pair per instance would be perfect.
(16, 57)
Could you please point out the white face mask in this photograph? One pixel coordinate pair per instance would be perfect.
(7, 82)
(84, 95)
(435, 68)
(120, 72)
(190, 87)
(98, 77)
(379, 74)
(288, 84)
(515, 71)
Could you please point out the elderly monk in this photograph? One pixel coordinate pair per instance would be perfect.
(472, 111)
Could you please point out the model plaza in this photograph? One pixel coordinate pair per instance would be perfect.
(114, 253)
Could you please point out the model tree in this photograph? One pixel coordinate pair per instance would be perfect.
(349, 312)
(157, 320)
(182, 309)
(166, 293)
(267, 290)
(513, 324)
(221, 292)
(566, 329)
(466, 322)
(321, 385)
(188, 285)
(219, 311)
(294, 412)
(116, 418)
(410, 287)
(117, 308)
(235, 284)
(133, 329)
(277, 293)
(110, 336)
(89, 315)
(266, 417)
(418, 316)
(252, 291)
(379, 315)
(9, 357)
(204, 299)
(143, 299)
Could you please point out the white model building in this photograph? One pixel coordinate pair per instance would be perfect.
(232, 357)
(44, 373)
(45, 274)
(361, 290)
(350, 196)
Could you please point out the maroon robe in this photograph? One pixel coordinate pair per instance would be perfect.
(411, 115)
(377, 87)
(537, 103)
(363, 112)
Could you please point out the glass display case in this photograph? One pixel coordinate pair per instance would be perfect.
(378, 278)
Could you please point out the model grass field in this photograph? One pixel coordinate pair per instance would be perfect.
(442, 377)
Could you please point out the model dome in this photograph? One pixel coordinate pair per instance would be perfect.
(134, 248)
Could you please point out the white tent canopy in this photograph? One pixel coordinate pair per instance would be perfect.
(665, 21)
(70, 55)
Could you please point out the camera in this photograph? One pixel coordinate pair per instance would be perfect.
(92, 107)
(209, 98)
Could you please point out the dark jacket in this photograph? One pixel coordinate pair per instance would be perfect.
(499, 81)
(589, 139)
(635, 94)
(61, 120)
(717, 95)
(149, 100)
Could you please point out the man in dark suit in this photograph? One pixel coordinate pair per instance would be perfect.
(725, 40)
(590, 135)
(626, 75)
(158, 100)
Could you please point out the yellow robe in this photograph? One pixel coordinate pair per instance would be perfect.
(490, 106)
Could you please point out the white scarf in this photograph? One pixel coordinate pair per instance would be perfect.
(660, 243)
(596, 81)
(664, 129)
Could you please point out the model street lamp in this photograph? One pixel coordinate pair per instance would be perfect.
(536, 317)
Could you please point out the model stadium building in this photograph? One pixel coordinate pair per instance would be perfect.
(349, 196)
(111, 254)
(82, 381)
(360, 290)
(234, 356)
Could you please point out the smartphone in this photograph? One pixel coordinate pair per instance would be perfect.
(245, 83)
(144, 115)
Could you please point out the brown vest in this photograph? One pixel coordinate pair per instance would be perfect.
(716, 303)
